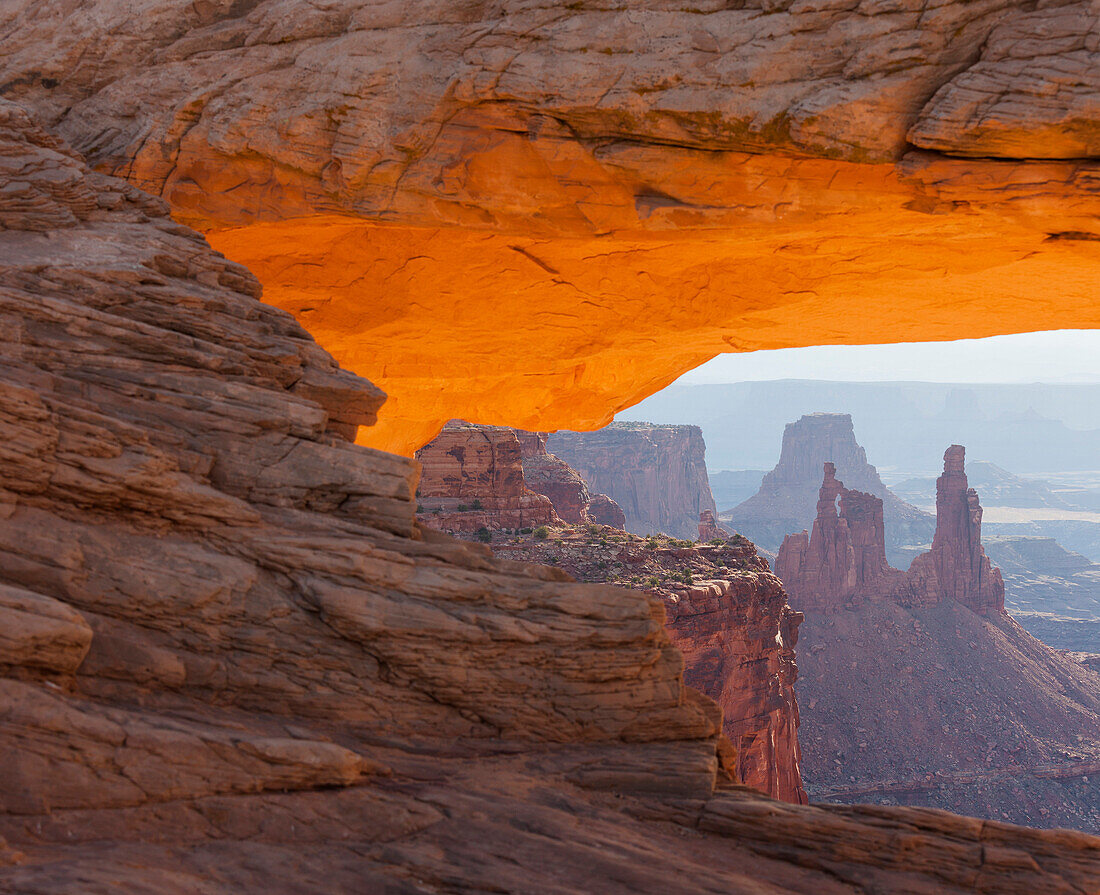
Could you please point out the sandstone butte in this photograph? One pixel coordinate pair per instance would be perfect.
(788, 496)
(917, 686)
(230, 659)
(726, 612)
(601, 196)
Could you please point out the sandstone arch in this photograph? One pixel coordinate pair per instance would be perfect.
(558, 210)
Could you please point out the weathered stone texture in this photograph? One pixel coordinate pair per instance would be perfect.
(656, 474)
(658, 182)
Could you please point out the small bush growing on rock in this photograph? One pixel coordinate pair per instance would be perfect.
(717, 542)
(542, 532)
(484, 535)
(525, 531)
(593, 530)
(651, 581)
(462, 508)
(420, 508)
(476, 505)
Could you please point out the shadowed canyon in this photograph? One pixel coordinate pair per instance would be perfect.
(254, 255)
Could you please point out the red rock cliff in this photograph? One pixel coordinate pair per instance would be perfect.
(552, 476)
(657, 474)
(231, 659)
(473, 477)
(738, 635)
(728, 615)
(843, 562)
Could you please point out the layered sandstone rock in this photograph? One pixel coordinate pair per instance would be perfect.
(970, 711)
(729, 617)
(709, 529)
(659, 182)
(493, 477)
(568, 492)
(843, 562)
(602, 510)
(657, 474)
(287, 679)
(472, 477)
(957, 568)
(789, 493)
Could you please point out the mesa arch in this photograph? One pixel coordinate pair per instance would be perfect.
(537, 215)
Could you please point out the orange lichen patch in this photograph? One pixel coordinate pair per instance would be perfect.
(556, 332)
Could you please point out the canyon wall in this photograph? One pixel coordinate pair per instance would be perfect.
(552, 476)
(494, 477)
(472, 477)
(729, 618)
(655, 184)
(788, 494)
(656, 474)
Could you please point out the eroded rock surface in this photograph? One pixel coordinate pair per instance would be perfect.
(287, 679)
(568, 492)
(656, 474)
(970, 712)
(473, 477)
(659, 182)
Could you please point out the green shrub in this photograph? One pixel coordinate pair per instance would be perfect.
(476, 505)
(462, 508)
(525, 531)
(542, 532)
(484, 535)
(593, 530)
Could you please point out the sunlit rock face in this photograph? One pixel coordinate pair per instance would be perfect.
(639, 188)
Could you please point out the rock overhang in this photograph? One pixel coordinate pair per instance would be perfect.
(536, 217)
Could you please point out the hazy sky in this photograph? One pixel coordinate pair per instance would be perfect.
(1069, 355)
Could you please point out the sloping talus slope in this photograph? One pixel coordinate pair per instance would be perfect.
(231, 661)
(642, 185)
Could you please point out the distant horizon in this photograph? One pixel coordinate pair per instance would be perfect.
(1052, 357)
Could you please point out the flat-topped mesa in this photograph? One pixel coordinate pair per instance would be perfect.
(473, 477)
(957, 560)
(709, 529)
(843, 562)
